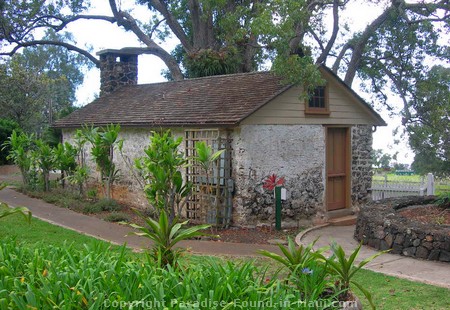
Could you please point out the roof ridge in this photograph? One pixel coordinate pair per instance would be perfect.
(205, 78)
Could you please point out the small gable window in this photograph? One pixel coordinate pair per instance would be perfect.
(317, 102)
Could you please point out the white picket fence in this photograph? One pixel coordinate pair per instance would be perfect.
(389, 189)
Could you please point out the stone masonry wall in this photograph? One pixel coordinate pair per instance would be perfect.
(381, 227)
(361, 163)
(117, 70)
(295, 152)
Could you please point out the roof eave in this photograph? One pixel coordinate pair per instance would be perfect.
(148, 124)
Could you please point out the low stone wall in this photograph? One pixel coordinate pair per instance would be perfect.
(381, 227)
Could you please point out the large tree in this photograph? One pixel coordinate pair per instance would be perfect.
(224, 36)
(39, 85)
(428, 124)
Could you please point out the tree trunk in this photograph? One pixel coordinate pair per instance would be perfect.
(108, 188)
(45, 175)
(63, 180)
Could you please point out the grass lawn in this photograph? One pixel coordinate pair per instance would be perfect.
(388, 292)
(39, 231)
(394, 293)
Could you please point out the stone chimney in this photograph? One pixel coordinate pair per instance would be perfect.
(117, 68)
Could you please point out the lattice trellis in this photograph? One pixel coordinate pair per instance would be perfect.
(210, 201)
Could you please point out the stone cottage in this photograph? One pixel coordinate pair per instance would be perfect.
(321, 146)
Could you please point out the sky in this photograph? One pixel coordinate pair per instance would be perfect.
(102, 35)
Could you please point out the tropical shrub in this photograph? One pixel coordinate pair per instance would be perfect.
(104, 142)
(92, 209)
(78, 178)
(161, 170)
(108, 205)
(45, 161)
(64, 155)
(305, 269)
(165, 235)
(205, 158)
(317, 276)
(20, 146)
(344, 269)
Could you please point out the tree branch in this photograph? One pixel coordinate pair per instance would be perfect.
(397, 7)
(68, 46)
(173, 24)
(337, 62)
(129, 23)
(323, 56)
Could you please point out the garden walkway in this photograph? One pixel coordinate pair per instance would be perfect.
(435, 273)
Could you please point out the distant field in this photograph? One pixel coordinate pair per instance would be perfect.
(442, 185)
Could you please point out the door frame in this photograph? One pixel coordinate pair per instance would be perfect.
(348, 165)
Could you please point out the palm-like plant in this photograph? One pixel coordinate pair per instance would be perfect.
(205, 158)
(19, 145)
(104, 141)
(64, 155)
(294, 257)
(346, 268)
(45, 161)
(166, 235)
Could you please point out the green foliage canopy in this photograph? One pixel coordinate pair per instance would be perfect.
(428, 125)
(220, 36)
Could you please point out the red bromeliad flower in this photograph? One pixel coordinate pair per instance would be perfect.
(273, 181)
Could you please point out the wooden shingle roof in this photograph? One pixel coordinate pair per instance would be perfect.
(211, 101)
(223, 100)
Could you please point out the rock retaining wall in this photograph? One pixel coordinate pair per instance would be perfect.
(381, 227)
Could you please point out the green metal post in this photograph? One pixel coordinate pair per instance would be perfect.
(278, 207)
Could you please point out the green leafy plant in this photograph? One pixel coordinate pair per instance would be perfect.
(306, 271)
(104, 141)
(117, 217)
(315, 284)
(108, 205)
(92, 209)
(78, 177)
(160, 169)
(5, 211)
(205, 155)
(205, 158)
(165, 235)
(43, 155)
(98, 275)
(92, 194)
(294, 257)
(443, 200)
(345, 269)
(64, 155)
(20, 146)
